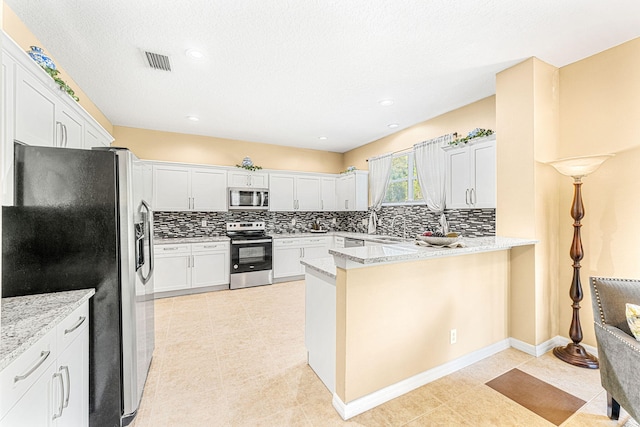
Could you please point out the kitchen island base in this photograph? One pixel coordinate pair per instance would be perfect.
(393, 321)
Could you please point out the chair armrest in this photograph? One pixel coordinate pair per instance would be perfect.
(619, 355)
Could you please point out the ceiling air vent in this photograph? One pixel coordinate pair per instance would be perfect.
(157, 61)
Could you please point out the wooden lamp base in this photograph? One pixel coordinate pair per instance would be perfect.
(576, 355)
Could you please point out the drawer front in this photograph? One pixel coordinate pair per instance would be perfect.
(287, 242)
(211, 246)
(171, 249)
(72, 326)
(22, 373)
(315, 241)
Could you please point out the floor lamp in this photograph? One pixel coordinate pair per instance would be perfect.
(577, 168)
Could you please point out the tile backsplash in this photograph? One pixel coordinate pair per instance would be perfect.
(470, 222)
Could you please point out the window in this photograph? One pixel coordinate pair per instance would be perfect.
(403, 186)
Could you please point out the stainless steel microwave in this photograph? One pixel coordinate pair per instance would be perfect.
(248, 199)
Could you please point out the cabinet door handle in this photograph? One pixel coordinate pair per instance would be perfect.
(58, 140)
(61, 405)
(322, 204)
(466, 197)
(76, 325)
(40, 361)
(472, 196)
(66, 135)
(68, 388)
(193, 261)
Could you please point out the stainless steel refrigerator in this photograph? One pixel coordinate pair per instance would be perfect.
(81, 219)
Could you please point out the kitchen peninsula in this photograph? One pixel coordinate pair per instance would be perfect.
(385, 319)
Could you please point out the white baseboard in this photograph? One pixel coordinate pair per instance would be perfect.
(360, 405)
(540, 349)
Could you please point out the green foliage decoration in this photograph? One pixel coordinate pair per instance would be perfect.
(476, 133)
(63, 85)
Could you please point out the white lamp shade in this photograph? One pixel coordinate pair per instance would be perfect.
(578, 167)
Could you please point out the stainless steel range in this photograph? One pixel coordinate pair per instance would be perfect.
(251, 254)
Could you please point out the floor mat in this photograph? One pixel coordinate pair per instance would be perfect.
(545, 400)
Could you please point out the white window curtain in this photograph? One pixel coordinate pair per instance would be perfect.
(379, 175)
(430, 168)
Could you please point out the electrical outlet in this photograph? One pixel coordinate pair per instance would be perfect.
(204, 222)
(293, 221)
(365, 222)
(453, 336)
(333, 221)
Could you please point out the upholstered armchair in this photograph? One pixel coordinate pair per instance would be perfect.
(618, 350)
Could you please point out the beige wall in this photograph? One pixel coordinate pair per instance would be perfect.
(599, 110)
(480, 114)
(19, 32)
(542, 114)
(393, 321)
(177, 147)
(527, 116)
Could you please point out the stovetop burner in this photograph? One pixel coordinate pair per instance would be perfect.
(247, 230)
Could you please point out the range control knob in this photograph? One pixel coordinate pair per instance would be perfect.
(235, 266)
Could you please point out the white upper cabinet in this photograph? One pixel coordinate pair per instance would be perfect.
(36, 112)
(183, 188)
(209, 189)
(246, 178)
(308, 193)
(471, 175)
(352, 191)
(328, 196)
(289, 192)
(94, 138)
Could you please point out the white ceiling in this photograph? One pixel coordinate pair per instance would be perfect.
(290, 71)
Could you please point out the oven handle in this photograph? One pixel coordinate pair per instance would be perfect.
(245, 242)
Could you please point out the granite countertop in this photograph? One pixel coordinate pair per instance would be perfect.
(368, 255)
(27, 319)
(178, 240)
(301, 234)
(325, 266)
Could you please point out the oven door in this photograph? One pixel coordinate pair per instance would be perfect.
(251, 255)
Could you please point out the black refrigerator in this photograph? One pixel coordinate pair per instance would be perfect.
(81, 219)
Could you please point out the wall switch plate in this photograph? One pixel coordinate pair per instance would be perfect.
(204, 222)
(365, 222)
(293, 221)
(333, 221)
(453, 336)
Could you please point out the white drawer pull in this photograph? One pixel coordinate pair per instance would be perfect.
(210, 246)
(43, 357)
(76, 325)
(170, 249)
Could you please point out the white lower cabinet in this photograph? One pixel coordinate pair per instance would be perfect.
(190, 265)
(288, 252)
(48, 385)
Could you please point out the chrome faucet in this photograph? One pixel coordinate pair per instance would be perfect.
(404, 225)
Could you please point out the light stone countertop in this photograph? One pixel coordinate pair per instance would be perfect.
(325, 266)
(369, 255)
(27, 319)
(181, 240)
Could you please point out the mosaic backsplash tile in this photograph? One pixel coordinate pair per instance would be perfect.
(469, 222)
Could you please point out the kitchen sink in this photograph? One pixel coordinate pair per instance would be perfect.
(388, 239)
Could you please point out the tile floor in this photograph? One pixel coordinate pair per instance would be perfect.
(237, 358)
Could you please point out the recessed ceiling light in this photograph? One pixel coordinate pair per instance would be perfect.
(385, 102)
(194, 53)
(393, 125)
(322, 138)
(193, 118)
